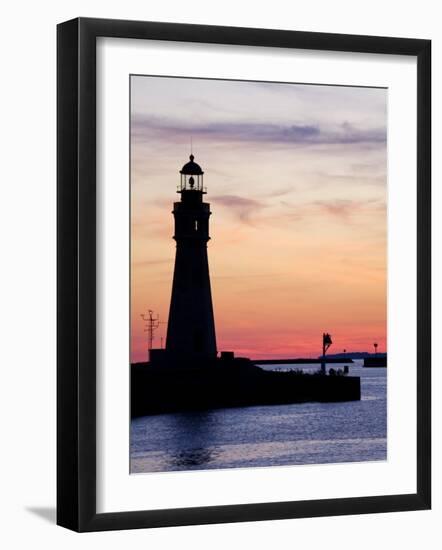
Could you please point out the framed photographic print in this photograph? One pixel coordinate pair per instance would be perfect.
(243, 274)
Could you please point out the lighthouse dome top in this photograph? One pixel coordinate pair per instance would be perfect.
(191, 168)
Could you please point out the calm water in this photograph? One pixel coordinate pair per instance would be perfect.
(310, 433)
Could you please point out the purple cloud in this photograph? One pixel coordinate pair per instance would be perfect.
(307, 134)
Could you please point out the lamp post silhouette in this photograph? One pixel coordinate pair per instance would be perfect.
(326, 343)
(375, 348)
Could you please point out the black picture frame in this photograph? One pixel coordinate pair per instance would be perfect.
(76, 273)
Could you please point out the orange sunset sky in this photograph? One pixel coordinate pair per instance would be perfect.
(296, 180)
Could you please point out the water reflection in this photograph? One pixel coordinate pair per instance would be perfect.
(194, 449)
(304, 433)
(192, 457)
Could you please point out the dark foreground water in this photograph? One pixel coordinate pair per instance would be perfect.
(310, 433)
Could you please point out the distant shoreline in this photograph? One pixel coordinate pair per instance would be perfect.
(300, 361)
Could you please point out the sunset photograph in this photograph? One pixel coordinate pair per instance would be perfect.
(258, 274)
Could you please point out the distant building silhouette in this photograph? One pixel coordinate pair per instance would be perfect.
(191, 326)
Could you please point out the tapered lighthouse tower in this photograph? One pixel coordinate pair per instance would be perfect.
(191, 326)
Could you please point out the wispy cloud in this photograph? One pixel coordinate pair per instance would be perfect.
(342, 210)
(307, 134)
(242, 207)
(281, 192)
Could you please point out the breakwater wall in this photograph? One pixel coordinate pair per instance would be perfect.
(159, 390)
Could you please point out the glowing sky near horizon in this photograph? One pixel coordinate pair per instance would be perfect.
(297, 181)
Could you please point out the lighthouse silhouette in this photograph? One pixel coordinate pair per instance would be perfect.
(191, 327)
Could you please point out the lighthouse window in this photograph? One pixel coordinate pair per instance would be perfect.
(196, 225)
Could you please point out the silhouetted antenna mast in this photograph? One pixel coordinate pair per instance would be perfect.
(152, 322)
